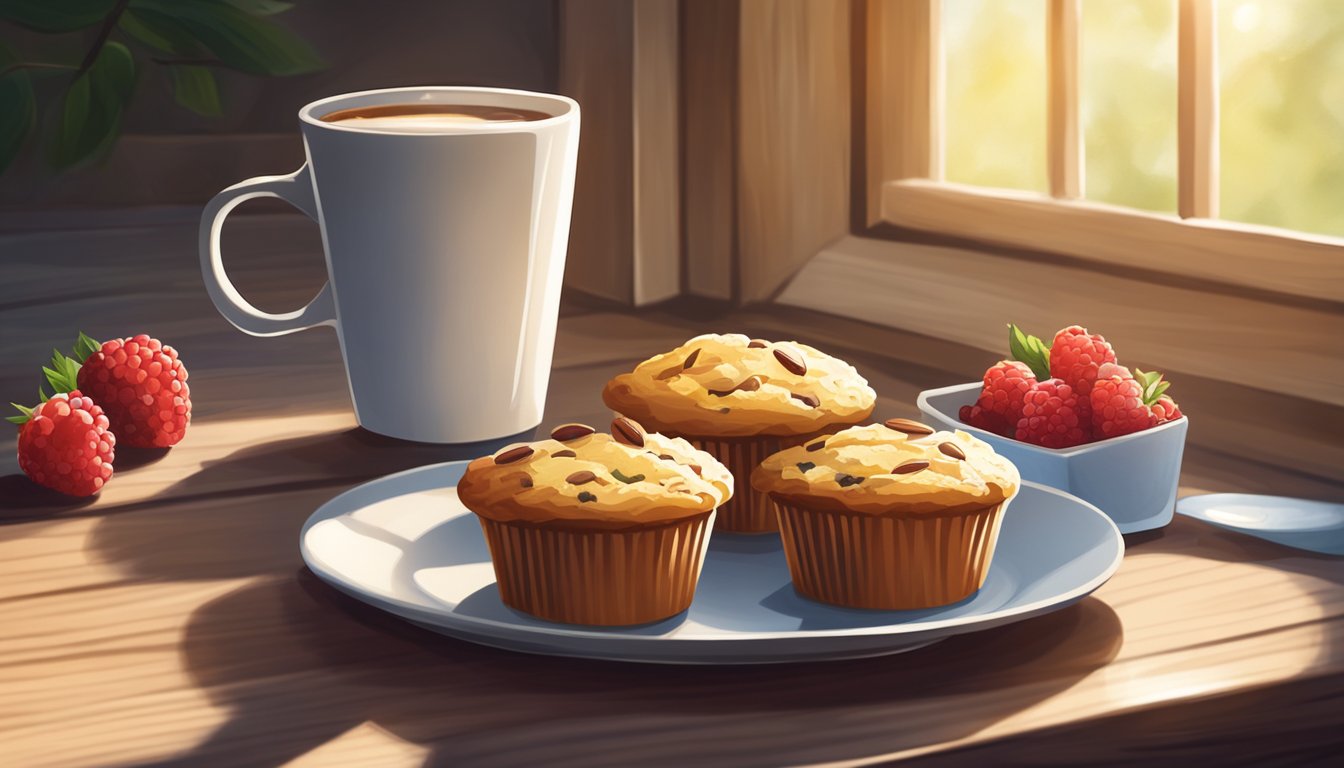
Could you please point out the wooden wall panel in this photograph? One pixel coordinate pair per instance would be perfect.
(596, 56)
(617, 58)
(656, 151)
(794, 136)
(709, 53)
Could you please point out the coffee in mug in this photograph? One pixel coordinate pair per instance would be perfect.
(422, 118)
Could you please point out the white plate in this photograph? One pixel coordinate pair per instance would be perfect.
(405, 544)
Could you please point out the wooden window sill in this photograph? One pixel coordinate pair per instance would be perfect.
(1242, 255)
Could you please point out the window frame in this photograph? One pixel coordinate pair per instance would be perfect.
(902, 163)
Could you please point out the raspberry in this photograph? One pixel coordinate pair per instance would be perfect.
(1000, 402)
(1053, 415)
(976, 416)
(1166, 409)
(1121, 403)
(65, 445)
(1076, 355)
(143, 387)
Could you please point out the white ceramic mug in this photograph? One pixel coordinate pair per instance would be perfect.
(445, 254)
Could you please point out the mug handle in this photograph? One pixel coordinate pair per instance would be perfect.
(295, 189)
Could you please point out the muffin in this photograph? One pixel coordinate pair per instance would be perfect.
(741, 400)
(589, 528)
(890, 516)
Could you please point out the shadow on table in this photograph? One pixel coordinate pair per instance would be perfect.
(22, 500)
(240, 515)
(296, 664)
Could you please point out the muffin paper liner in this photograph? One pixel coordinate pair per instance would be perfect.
(748, 511)
(888, 562)
(598, 577)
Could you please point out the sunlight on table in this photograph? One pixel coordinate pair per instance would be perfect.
(1148, 671)
(365, 744)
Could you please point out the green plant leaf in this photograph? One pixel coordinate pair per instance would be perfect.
(1028, 349)
(62, 373)
(1153, 385)
(194, 87)
(25, 414)
(18, 108)
(55, 16)
(260, 7)
(53, 379)
(239, 40)
(115, 72)
(91, 115)
(158, 32)
(78, 134)
(85, 347)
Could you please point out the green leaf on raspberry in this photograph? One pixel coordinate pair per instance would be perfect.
(1153, 385)
(1028, 349)
(27, 413)
(84, 347)
(62, 373)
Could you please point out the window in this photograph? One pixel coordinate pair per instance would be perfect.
(1281, 81)
(1127, 99)
(995, 92)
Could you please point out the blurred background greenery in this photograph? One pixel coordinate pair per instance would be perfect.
(69, 88)
(1282, 100)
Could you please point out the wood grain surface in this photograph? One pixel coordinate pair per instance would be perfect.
(170, 621)
(619, 59)
(1197, 109)
(793, 123)
(903, 96)
(1064, 127)
(1247, 256)
(709, 64)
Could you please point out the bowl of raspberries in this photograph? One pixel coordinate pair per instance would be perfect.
(1070, 416)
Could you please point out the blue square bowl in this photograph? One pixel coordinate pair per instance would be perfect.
(1133, 479)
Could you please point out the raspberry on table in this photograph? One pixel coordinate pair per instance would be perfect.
(1076, 356)
(1054, 415)
(65, 444)
(142, 385)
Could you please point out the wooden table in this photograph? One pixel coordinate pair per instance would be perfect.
(171, 621)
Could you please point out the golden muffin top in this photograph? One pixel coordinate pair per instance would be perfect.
(729, 385)
(627, 478)
(901, 465)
